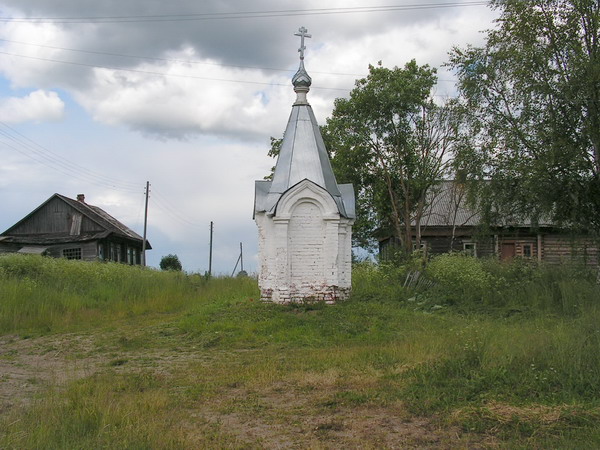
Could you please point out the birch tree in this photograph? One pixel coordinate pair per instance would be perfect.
(531, 98)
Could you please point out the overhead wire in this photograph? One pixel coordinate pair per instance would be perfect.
(54, 158)
(62, 171)
(241, 14)
(171, 75)
(161, 74)
(174, 60)
(138, 221)
(20, 143)
(208, 16)
(45, 157)
(163, 203)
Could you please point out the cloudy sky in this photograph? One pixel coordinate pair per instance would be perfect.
(99, 96)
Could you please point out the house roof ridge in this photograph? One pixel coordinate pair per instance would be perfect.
(101, 217)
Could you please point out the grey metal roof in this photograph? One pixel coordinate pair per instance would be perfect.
(448, 207)
(302, 155)
(347, 191)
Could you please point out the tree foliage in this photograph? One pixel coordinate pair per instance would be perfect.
(531, 100)
(392, 142)
(170, 262)
(274, 153)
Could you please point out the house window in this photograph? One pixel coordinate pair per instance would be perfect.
(101, 252)
(422, 246)
(72, 253)
(527, 250)
(470, 248)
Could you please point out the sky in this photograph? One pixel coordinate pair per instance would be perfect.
(99, 96)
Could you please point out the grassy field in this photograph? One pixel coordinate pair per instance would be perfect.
(473, 354)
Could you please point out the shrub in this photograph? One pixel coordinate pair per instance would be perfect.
(170, 262)
(379, 282)
(460, 278)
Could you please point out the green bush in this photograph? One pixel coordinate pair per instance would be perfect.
(381, 282)
(460, 278)
(170, 262)
(566, 289)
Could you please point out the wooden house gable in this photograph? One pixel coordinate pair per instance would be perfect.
(55, 216)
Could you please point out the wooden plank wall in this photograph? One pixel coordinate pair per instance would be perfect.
(549, 248)
(520, 243)
(89, 250)
(54, 217)
(557, 249)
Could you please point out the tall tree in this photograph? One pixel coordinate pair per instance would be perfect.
(392, 142)
(531, 99)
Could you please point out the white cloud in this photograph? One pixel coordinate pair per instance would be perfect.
(37, 106)
(213, 135)
(190, 100)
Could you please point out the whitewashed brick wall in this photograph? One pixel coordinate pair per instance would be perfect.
(305, 248)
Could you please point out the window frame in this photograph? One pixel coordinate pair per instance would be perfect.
(472, 251)
(72, 253)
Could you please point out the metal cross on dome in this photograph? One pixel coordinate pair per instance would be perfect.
(302, 33)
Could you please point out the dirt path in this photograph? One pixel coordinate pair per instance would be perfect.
(280, 415)
(28, 366)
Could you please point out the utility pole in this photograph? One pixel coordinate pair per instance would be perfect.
(210, 251)
(241, 258)
(145, 225)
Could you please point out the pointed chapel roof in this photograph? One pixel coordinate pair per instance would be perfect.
(303, 154)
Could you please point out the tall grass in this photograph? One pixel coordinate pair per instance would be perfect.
(489, 285)
(513, 334)
(507, 350)
(39, 294)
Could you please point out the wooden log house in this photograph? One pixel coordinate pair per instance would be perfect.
(65, 228)
(450, 225)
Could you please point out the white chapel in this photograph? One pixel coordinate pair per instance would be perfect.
(304, 217)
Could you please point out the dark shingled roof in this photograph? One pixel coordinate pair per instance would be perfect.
(101, 217)
(110, 225)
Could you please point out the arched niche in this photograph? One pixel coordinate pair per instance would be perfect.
(305, 191)
(306, 239)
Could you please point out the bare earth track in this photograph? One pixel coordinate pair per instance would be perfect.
(295, 413)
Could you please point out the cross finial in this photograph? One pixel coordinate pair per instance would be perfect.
(302, 33)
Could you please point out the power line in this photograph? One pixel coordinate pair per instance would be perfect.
(161, 74)
(183, 61)
(163, 203)
(40, 154)
(69, 174)
(173, 75)
(240, 15)
(54, 158)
